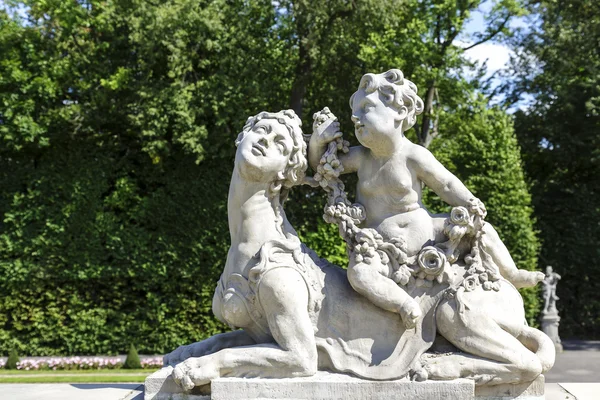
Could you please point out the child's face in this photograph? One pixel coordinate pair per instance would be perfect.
(375, 123)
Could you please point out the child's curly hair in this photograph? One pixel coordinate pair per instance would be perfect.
(396, 91)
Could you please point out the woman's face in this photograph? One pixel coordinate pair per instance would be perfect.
(265, 150)
(376, 124)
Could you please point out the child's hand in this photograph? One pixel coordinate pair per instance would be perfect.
(326, 127)
(477, 207)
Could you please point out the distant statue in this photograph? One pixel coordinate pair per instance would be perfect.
(549, 290)
(549, 317)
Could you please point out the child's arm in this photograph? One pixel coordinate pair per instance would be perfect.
(352, 159)
(443, 182)
(324, 133)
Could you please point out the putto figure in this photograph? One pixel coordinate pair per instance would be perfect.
(391, 170)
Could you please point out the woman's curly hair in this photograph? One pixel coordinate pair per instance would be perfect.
(295, 171)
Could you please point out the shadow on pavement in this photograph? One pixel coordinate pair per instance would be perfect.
(88, 386)
(581, 345)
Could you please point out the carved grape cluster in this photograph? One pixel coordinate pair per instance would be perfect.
(477, 275)
(330, 167)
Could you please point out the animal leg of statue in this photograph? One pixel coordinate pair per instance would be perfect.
(499, 356)
(284, 297)
(453, 366)
(208, 346)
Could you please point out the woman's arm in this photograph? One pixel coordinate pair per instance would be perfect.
(211, 345)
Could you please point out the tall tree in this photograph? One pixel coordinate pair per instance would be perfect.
(484, 153)
(558, 63)
(420, 38)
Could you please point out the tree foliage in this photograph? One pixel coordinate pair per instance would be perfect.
(559, 64)
(117, 123)
(484, 140)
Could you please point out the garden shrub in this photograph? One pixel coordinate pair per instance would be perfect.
(133, 359)
(13, 360)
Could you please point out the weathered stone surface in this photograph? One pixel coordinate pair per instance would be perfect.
(412, 276)
(321, 386)
(330, 386)
(161, 386)
(521, 391)
(325, 386)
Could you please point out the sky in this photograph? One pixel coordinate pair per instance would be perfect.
(495, 53)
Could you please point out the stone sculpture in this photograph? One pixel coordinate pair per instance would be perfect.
(549, 317)
(416, 281)
(549, 290)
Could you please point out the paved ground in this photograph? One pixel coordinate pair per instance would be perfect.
(66, 373)
(579, 362)
(575, 376)
(66, 391)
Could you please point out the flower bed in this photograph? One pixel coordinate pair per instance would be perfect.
(79, 363)
(152, 363)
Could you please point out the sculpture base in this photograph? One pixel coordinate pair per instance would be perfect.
(521, 391)
(550, 322)
(329, 386)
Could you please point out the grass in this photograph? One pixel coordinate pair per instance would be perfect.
(78, 371)
(76, 376)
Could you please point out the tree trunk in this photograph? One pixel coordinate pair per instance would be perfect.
(426, 134)
(301, 79)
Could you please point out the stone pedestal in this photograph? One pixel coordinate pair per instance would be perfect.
(160, 386)
(520, 391)
(328, 386)
(550, 322)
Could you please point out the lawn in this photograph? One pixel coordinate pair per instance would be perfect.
(76, 376)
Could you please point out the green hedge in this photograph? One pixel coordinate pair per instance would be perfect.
(117, 123)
